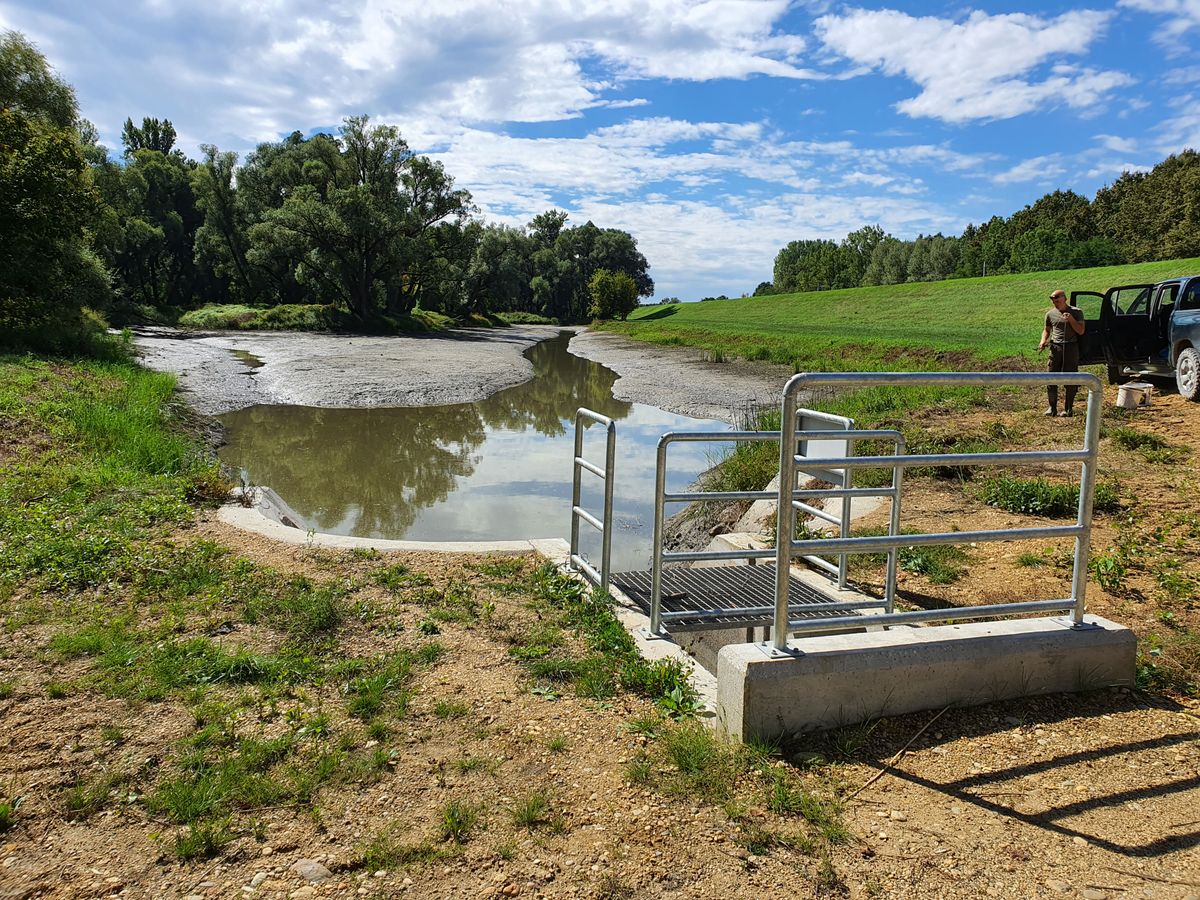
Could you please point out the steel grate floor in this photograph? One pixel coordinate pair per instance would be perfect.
(721, 587)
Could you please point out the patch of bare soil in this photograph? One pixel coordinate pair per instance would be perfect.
(1093, 795)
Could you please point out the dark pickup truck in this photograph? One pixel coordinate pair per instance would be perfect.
(1145, 329)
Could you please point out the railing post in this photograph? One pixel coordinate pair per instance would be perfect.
(660, 489)
(576, 487)
(844, 558)
(1087, 484)
(610, 459)
(785, 528)
(889, 591)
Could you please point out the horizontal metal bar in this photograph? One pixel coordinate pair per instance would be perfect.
(854, 434)
(588, 517)
(806, 494)
(700, 614)
(814, 494)
(686, 497)
(875, 544)
(1015, 458)
(584, 464)
(581, 565)
(934, 615)
(817, 513)
(823, 564)
(942, 379)
(675, 437)
(818, 472)
(584, 413)
(697, 555)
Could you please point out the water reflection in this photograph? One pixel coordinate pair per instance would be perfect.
(497, 469)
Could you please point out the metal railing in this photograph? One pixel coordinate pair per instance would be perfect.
(790, 463)
(817, 468)
(578, 513)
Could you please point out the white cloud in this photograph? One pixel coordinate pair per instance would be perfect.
(1182, 17)
(1117, 144)
(984, 67)
(1039, 168)
(1181, 130)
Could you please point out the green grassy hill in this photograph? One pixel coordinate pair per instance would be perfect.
(931, 325)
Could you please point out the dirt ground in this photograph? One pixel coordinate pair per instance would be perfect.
(1094, 795)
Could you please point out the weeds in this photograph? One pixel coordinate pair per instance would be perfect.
(8, 812)
(88, 797)
(532, 811)
(458, 820)
(203, 840)
(1038, 497)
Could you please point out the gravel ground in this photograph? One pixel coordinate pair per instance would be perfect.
(682, 380)
(336, 370)
(469, 364)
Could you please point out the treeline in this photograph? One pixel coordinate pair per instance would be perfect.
(357, 222)
(1142, 216)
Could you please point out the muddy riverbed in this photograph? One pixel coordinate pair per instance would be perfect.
(224, 371)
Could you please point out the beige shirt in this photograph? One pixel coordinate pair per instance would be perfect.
(1056, 324)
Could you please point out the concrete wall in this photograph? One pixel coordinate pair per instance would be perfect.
(841, 679)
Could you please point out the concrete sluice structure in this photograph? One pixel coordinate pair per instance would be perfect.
(785, 643)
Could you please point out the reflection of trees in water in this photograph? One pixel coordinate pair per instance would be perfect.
(561, 384)
(383, 464)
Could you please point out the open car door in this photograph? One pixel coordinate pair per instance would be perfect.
(1125, 324)
(1091, 342)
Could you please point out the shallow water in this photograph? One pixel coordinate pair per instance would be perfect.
(499, 469)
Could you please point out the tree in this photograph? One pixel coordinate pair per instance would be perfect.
(47, 201)
(155, 134)
(29, 87)
(356, 221)
(614, 294)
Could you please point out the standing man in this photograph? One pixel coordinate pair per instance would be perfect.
(1063, 326)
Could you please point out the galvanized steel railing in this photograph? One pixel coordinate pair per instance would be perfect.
(818, 468)
(604, 525)
(790, 463)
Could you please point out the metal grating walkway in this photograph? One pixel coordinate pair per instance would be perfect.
(748, 588)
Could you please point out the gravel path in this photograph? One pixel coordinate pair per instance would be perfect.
(466, 365)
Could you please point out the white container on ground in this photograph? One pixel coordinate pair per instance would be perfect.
(1134, 394)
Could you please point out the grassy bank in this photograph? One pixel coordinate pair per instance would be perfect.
(281, 686)
(934, 325)
(308, 317)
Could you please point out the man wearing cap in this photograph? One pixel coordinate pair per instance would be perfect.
(1063, 326)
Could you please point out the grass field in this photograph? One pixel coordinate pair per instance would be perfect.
(895, 327)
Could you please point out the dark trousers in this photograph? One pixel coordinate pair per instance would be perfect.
(1063, 358)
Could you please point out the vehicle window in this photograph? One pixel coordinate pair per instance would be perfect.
(1089, 305)
(1191, 297)
(1166, 299)
(1131, 302)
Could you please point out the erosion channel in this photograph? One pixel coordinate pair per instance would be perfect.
(496, 469)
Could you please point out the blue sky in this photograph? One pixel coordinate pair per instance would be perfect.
(714, 131)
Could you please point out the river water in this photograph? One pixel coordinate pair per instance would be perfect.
(498, 469)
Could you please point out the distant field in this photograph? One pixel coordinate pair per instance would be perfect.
(893, 327)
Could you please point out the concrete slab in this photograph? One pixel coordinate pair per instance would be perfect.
(837, 680)
(251, 518)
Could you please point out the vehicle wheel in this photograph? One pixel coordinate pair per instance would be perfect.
(1187, 373)
(1116, 376)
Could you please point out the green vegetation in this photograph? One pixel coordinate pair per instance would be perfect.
(307, 317)
(1039, 497)
(613, 661)
(458, 820)
(902, 327)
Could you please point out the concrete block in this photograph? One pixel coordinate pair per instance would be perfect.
(836, 680)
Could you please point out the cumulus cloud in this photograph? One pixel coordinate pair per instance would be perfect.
(983, 67)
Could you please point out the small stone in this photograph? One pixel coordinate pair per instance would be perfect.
(1082, 842)
(1063, 887)
(259, 878)
(379, 873)
(306, 891)
(311, 870)
(267, 850)
(1094, 894)
(896, 816)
